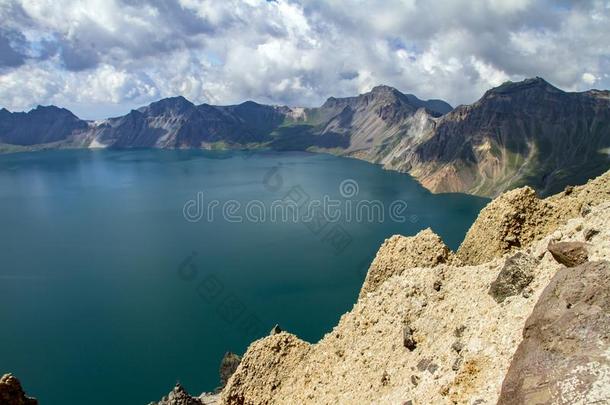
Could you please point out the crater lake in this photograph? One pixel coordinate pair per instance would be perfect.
(122, 272)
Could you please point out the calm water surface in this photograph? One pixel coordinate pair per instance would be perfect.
(108, 295)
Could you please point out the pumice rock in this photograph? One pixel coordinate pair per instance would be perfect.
(498, 294)
(426, 249)
(569, 254)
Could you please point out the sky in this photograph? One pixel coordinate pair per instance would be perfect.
(101, 58)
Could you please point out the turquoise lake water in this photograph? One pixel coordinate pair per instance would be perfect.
(107, 292)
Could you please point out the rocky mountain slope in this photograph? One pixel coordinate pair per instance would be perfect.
(42, 125)
(526, 133)
(518, 315)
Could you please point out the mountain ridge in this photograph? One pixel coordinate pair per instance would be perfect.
(519, 133)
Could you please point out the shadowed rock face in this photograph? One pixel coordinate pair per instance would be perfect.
(178, 123)
(525, 133)
(563, 358)
(228, 365)
(11, 392)
(41, 125)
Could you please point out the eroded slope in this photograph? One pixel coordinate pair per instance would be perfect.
(445, 333)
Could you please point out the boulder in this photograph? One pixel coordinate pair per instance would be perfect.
(563, 358)
(179, 396)
(569, 254)
(516, 274)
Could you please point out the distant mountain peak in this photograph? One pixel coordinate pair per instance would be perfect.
(534, 83)
(177, 104)
(176, 100)
(249, 103)
(52, 110)
(47, 108)
(383, 88)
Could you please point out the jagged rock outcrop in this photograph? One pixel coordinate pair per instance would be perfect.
(228, 365)
(525, 133)
(11, 392)
(179, 396)
(510, 222)
(446, 333)
(399, 253)
(264, 369)
(517, 218)
(563, 358)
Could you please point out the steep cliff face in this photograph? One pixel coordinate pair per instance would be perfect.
(428, 328)
(526, 133)
(357, 126)
(379, 116)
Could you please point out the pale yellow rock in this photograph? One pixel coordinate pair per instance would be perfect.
(398, 253)
(464, 339)
(265, 369)
(517, 218)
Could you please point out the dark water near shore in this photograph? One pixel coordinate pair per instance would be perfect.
(109, 295)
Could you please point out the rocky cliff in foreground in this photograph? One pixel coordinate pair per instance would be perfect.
(519, 314)
(524, 133)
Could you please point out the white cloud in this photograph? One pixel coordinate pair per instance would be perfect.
(489, 74)
(101, 56)
(589, 78)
